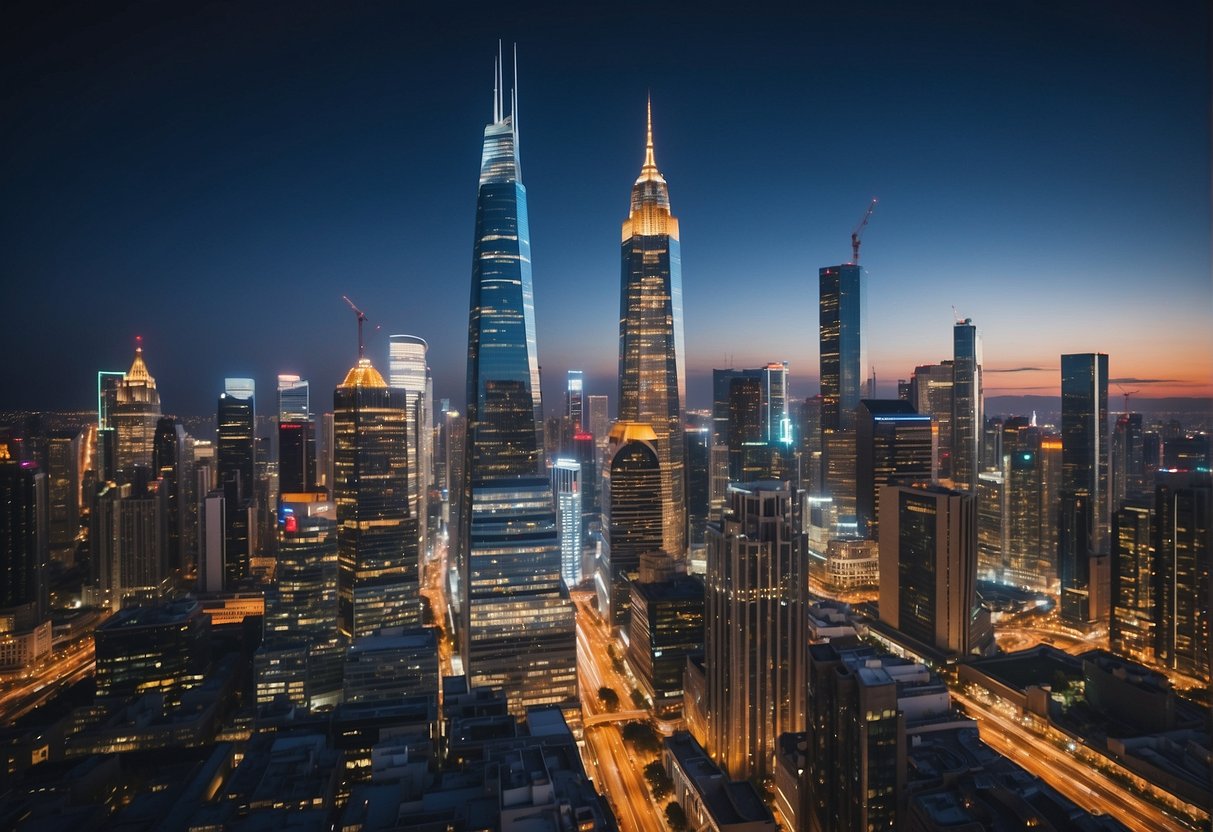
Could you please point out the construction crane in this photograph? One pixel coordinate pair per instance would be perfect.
(361, 318)
(957, 317)
(1127, 393)
(858, 232)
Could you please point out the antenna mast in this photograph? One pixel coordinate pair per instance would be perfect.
(361, 318)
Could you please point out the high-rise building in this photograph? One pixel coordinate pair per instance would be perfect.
(172, 463)
(574, 402)
(129, 534)
(699, 483)
(296, 437)
(842, 345)
(135, 411)
(408, 371)
(1134, 594)
(1182, 542)
(1083, 493)
(893, 442)
(754, 627)
(517, 627)
(1030, 471)
(928, 564)
(968, 415)
(666, 627)
(631, 522)
(993, 526)
(377, 562)
(63, 489)
(24, 542)
(566, 484)
(600, 421)
(931, 393)
(1128, 460)
(393, 663)
(301, 653)
(235, 463)
(163, 648)
(652, 352)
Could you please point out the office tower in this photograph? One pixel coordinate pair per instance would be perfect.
(394, 662)
(968, 415)
(408, 371)
(1183, 535)
(928, 564)
(666, 627)
(893, 443)
(585, 451)
(301, 653)
(212, 548)
(1029, 492)
(600, 421)
(172, 463)
(376, 536)
(775, 399)
(754, 627)
(455, 429)
(296, 437)
(992, 526)
(574, 402)
(130, 546)
(24, 545)
(165, 648)
(745, 431)
(1134, 594)
(931, 392)
(698, 458)
(631, 522)
(324, 452)
(1084, 480)
(842, 344)
(62, 489)
(809, 430)
(235, 464)
(134, 413)
(566, 485)
(652, 355)
(517, 628)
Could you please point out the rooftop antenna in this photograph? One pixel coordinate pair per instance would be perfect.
(361, 318)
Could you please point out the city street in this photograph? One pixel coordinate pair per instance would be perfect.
(615, 769)
(1077, 780)
(64, 669)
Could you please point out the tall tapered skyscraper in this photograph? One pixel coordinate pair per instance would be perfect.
(517, 629)
(652, 355)
(136, 409)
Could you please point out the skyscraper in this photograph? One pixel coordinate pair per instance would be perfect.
(652, 355)
(136, 409)
(24, 549)
(296, 437)
(1084, 480)
(566, 484)
(574, 402)
(841, 300)
(1131, 626)
(377, 583)
(631, 523)
(172, 463)
(968, 415)
(754, 628)
(600, 421)
(408, 371)
(235, 460)
(517, 626)
(931, 392)
(893, 442)
(928, 564)
(1183, 537)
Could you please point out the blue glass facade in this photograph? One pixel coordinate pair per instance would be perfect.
(517, 628)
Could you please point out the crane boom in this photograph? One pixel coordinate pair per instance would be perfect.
(361, 318)
(858, 232)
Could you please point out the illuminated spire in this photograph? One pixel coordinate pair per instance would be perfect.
(649, 162)
(138, 371)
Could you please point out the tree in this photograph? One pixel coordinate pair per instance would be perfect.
(608, 698)
(659, 782)
(642, 737)
(675, 816)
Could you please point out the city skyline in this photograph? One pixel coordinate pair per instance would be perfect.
(1055, 234)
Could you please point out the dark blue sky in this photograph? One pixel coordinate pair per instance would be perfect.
(215, 177)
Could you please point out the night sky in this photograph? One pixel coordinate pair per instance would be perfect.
(215, 176)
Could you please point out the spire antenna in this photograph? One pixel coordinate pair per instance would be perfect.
(649, 161)
(514, 96)
(501, 86)
(496, 115)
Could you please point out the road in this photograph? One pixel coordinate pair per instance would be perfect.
(433, 587)
(615, 770)
(1079, 781)
(64, 669)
